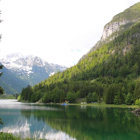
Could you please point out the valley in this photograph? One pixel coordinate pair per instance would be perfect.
(97, 98)
(109, 73)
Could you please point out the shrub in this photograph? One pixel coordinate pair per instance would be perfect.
(119, 98)
(109, 95)
(137, 102)
(129, 99)
(92, 97)
(1, 90)
(71, 97)
(19, 98)
(137, 90)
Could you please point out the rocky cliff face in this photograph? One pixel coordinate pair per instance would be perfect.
(118, 24)
(111, 28)
(121, 22)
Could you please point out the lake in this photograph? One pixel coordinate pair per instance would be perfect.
(55, 122)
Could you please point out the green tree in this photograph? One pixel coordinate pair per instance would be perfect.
(109, 95)
(1, 121)
(47, 98)
(27, 93)
(71, 97)
(119, 98)
(129, 99)
(92, 97)
(137, 91)
(137, 102)
(36, 96)
(1, 89)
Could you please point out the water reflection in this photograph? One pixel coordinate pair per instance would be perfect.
(36, 130)
(27, 125)
(14, 104)
(70, 122)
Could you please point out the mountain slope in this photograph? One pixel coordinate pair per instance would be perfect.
(109, 72)
(122, 21)
(20, 71)
(10, 82)
(119, 24)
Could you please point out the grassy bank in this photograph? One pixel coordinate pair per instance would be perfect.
(8, 136)
(107, 105)
(7, 96)
(90, 104)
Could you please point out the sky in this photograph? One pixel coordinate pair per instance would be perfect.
(59, 31)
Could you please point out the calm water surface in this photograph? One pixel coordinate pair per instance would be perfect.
(53, 122)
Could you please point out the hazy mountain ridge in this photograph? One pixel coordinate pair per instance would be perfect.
(10, 82)
(26, 70)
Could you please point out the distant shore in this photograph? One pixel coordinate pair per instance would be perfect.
(93, 104)
(107, 105)
(89, 104)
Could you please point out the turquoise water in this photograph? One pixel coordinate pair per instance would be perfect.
(56, 122)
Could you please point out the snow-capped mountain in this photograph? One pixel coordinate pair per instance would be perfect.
(30, 69)
(25, 64)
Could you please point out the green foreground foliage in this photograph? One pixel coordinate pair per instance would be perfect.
(137, 102)
(110, 73)
(6, 136)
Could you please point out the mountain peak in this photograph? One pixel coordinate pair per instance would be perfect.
(121, 22)
(18, 61)
(30, 69)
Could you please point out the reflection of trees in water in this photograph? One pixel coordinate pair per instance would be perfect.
(91, 123)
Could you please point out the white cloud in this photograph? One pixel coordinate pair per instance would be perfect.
(58, 31)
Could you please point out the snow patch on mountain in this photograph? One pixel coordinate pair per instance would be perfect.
(11, 63)
(52, 73)
(24, 65)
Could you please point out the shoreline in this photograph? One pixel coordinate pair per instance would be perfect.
(90, 104)
(106, 105)
(87, 104)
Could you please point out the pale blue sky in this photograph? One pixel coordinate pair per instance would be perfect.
(59, 31)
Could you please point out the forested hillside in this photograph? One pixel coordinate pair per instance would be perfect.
(109, 72)
(10, 82)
